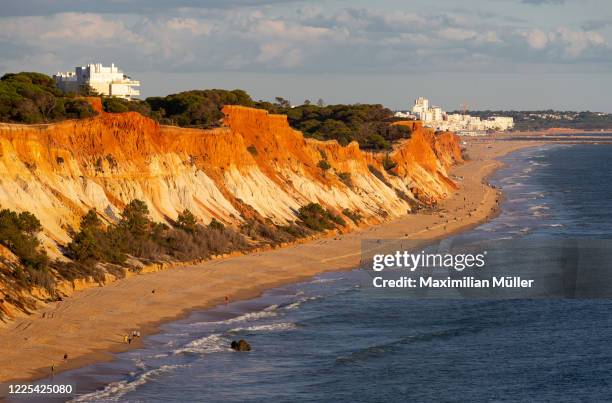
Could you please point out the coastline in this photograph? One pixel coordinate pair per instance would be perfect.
(89, 325)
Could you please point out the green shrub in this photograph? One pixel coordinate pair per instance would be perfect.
(324, 165)
(345, 177)
(353, 215)
(388, 163)
(187, 222)
(28, 97)
(216, 225)
(315, 217)
(369, 125)
(196, 108)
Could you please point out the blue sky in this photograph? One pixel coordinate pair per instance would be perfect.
(511, 54)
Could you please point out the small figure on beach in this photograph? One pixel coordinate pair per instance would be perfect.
(153, 291)
(129, 340)
(65, 357)
(52, 367)
(125, 338)
(226, 300)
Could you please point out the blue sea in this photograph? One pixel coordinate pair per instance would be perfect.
(334, 338)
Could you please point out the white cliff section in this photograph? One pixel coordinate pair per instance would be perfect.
(260, 192)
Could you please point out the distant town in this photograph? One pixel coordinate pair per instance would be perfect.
(461, 123)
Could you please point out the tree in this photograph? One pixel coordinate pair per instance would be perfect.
(282, 102)
(187, 221)
(28, 223)
(87, 244)
(18, 233)
(216, 225)
(135, 218)
(320, 103)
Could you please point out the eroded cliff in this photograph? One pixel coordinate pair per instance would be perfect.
(254, 164)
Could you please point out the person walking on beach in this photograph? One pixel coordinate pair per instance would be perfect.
(125, 338)
(65, 357)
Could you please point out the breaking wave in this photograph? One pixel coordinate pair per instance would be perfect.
(274, 327)
(115, 390)
(214, 343)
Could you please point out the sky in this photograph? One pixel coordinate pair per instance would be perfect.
(488, 54)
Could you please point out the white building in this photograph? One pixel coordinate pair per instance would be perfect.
(435, 117)
(109, 81)
(420, 108)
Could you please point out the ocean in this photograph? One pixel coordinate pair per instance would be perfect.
(335, 338)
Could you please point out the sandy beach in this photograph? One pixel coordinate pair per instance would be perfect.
(89, 325)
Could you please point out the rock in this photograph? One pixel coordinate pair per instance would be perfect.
(240, 345)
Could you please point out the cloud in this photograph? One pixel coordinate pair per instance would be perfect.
(564, 42)
(537, 39)
(297, 40)
(49, 7)
(543, 2)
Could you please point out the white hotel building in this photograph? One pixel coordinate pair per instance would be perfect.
(109, 81)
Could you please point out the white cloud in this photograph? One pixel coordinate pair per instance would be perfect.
(569, 43)
(537, 39)
(250, 39)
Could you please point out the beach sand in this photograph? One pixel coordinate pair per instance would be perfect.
(90, 324)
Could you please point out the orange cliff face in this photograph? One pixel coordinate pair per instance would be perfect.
(254, 165)
(423, 161)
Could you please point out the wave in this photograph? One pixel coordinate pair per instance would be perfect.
(116, 390)
(274, 327)
(214, 343)
(250, 316)
(299, 302)
(378, 350)
(325, 280)
(539, 207)
(375, 351)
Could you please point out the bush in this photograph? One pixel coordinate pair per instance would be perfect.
(33, 98)
(324, 165)
(216, 225)
(252, 150)
(345, 177)
(353, 215)
(315, 217)
(197, 108)
(369, 125)
(119, 105)
(388, 163)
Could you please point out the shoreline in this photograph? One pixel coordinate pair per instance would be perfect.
(75, 325)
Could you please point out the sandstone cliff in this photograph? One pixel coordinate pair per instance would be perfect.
(254, 165)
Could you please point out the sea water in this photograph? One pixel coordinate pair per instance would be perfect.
(334, 338)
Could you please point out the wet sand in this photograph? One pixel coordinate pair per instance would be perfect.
(89, 326)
